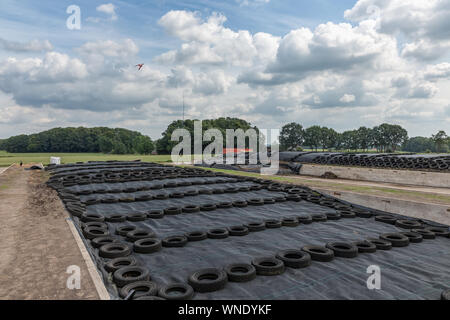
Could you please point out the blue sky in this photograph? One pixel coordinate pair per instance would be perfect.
(267, 61)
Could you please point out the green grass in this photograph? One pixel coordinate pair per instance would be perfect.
(7, 159)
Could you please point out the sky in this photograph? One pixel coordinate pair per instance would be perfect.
(341, 64)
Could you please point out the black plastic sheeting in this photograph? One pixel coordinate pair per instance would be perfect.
(418, 271)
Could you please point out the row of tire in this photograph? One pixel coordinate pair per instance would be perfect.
(135, 281)
(386, 161)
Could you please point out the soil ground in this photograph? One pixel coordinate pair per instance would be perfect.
(37, 245)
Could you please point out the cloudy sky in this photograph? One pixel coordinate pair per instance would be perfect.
(340, 64)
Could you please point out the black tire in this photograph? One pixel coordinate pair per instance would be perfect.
(441, 232)
(293, 197)
(343, 249)
(238, 231)
(218, 233)
(172, 211)
(305, 219)
(191, 208)
(176, 291)
(196, 235)
(240, 204)
(240, 272)
(318, 217)
(333, 216)
(273, 224)
(114, 250)
(147, 245)
(319, 253)
(137, 216)
(144, 197)
(177, 195)
(294, 258)
(174, 242)
(268, 266)
(256, 226)
(381, 244)
(161, 196)
(141, 289)
(256, 202)
(98, 242)
(100, 225)
(139, 234)
(155, 214)
(290, 222)
(149, 298)
(386, 219)
(208, 207)
(269, 200)
(426, 234)
(208, 280)
(414, 237)
(347, 214)
(191, 193)
(123, 230)
(408, 224)
(397, 239)
(117, 263)
(116, 217)
(94, 232)
(365, 246)
(363, 213)
(225, 205)
(126, 275)
(92, 217)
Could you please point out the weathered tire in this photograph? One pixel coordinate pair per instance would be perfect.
(172, 211)
(441, 232)
(256, 226)
(141, 288)
(114, 250)
(126, 275)
(294, 258)
(347, 214)
(256, 202)
(397, 239)
(414, 237)
(208, 207)
(98, 242)
(240, 204)
(196, 235)
(408, 224)
(238, 231)
(116, 217)
(290, 222)
(208, 280)
(94, 232)
(117, 263)
(426, 234)
(319, 253)
(174, 242)
(319, 217)
(365, 246)
(176, 291)
(137, 216)
(123, 230)
(218, 233)
(445, 295)
(139, 234)
(381, 244)
(147, 245)
(385, 219)
(273, 224)
(225, 205)
(92, 217)
(333, 216)
(240, 272)
(155, 214)
(268, 266)
(305, 219)
(191, 208)
(343, 249)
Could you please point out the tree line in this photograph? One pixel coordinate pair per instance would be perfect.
(99, 139)
(384, 138)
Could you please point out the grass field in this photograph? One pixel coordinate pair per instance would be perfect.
(7, 159)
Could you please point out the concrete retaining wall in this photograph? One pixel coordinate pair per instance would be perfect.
(410, 177)
(434, 212)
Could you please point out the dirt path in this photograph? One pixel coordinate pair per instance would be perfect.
(37, 245)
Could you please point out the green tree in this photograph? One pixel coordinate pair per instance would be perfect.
(313, 137)
(291, 136)
(440, 139)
